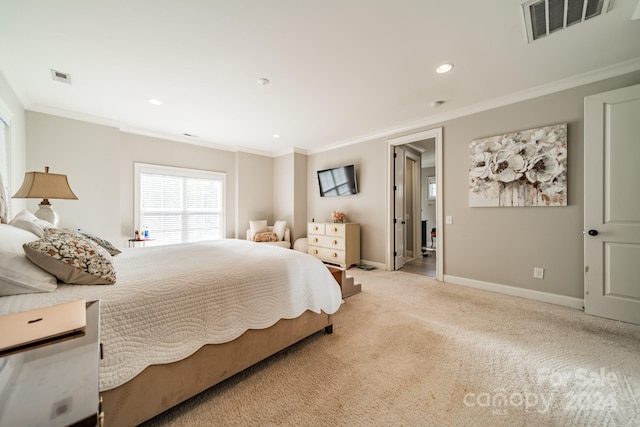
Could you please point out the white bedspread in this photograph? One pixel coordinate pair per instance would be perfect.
(171, 300)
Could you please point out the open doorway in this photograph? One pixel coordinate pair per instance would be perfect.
(423, 203)
(415, 210)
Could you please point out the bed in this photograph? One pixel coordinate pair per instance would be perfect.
(181, 318)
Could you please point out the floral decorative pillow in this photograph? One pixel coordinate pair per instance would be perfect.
(71, 258)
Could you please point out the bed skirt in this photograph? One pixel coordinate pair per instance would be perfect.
(160, 387)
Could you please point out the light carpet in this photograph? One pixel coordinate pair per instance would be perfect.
(410, 351)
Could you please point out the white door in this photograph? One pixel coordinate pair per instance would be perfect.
(398, 212)
(612, 204)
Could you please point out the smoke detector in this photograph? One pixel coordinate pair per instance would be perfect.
(543, 17)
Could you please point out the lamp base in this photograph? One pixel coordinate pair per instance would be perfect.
(47, 213)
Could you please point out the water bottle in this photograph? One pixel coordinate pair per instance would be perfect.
(146, 232)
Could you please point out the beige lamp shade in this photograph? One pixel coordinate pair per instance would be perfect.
(45, 186)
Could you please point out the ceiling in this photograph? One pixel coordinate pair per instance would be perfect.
(340, 71)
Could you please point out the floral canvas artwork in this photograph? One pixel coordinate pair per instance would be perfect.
(526, 168)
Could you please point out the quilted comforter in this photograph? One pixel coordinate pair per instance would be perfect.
(169, 301)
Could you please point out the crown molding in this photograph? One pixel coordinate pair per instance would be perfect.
(535, 92)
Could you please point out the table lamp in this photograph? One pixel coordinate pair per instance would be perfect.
(47, 186)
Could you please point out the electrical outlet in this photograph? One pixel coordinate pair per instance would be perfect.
(448, 219)
(538, 273)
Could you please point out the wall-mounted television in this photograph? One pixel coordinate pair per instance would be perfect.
(339, 181)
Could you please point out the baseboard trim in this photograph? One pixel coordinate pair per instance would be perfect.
(517, 292)
(374, 264)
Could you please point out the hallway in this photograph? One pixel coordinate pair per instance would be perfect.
(423, 265)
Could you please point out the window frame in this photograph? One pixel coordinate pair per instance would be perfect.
(9, 136)
(141, 168)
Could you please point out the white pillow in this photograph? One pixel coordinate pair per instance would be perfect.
(257, 227)
(28, 221)
(18, 275)
(279, 228)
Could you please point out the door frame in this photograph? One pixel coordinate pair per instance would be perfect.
(414, 137)
(415, 206)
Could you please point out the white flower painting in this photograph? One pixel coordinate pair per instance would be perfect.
(526, 168)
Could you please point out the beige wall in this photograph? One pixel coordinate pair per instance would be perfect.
(284, 190)
(254, 190)
(428, 207)
(503, 245)
(98, 161)
(11, 111)
(89, 155)
(368, 207)
(300, 196)
(494, 245)
(135, 148)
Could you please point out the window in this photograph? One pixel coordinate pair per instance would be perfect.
(431, 188)
(178, 205)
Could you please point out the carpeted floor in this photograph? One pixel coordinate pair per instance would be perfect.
(409, 351)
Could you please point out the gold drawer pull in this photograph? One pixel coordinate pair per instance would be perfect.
(335, 255)
(315, 240)
(315, 252)
(335, 242)
(316, 228)
(335, 229)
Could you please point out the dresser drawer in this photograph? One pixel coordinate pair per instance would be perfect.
(326, 254)
(327, 242)
(335, 229)
(315, 228)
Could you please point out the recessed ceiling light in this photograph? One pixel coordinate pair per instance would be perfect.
(155, 101)
(436, 104)
(444, 68)
(263, 81)
(275, 135)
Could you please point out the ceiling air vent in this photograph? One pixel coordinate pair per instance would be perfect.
(60, 76)
(544, 17)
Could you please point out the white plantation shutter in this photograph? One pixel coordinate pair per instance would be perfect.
(179, 205)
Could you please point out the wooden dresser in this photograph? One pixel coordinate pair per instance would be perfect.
(334, 243)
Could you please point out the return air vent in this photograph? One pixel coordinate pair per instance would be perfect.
(543, 17)
(60, 76)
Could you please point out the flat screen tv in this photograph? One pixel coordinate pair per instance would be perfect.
(338, 181)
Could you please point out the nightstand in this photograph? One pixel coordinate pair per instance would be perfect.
(49, 365)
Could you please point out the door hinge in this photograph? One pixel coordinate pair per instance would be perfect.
(395, 253)
(586, 268)
(395, 155)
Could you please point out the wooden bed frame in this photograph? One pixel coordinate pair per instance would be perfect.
(160, 387)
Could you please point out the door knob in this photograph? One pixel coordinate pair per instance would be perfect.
(592, 232)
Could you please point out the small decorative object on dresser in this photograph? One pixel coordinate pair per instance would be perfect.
(334, 243)
(339, 216)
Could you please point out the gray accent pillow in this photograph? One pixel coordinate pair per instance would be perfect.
(104, 243)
